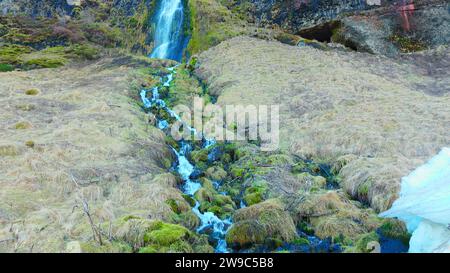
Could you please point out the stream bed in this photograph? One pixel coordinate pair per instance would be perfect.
(210, 223)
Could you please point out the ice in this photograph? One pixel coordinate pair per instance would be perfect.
(424, 204)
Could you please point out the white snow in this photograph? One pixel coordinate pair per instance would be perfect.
(424, 204)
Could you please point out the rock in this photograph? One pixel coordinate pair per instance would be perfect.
(216, 173)
(387, 32)
(254, 224)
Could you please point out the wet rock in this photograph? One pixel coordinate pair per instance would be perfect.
(196, 174)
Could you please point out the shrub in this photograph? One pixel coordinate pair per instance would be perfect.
(32, 92)
(6, 68)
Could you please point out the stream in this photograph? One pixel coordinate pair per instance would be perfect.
(210, 223)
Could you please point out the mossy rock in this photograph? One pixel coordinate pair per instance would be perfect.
(255, 223)
(199, 156)
(237, 172)
(395, 229)
(246, 233)
(207, 184)
(187, 219)
(254, 195)
(216, 173)
(165, 234)
(366, 242)
(310, 181)
(204, 195)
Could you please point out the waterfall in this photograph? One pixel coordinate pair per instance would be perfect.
(169, 36)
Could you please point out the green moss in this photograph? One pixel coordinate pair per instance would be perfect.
(312, 181)
(148, 249)
(246, 233)
(180, 247)
(237, 172)
(84, 51)
(171, 142)
(46, 62)
(174, 205)
(30, 144)
(12, 54)
(199, 156)
(216, 173)
(22, 125)
(255, 223)
(396, 229)
(211, 23)
(407, 44)
(363, 190)
(32, 92)
(187, 219)
(166, 234)
(301, 241)
(189, 199)
(364, 242)
(254, 195)
(6, 68)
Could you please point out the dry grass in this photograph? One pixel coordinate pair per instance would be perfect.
(87, 140)
(332, 103)
(271, 218)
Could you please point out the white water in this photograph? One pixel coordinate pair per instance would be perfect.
(185, 169)
(424, 205)
(168, 36)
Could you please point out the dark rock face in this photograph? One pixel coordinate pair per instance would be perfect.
(37, 8)
(397, 28)
(293, 15)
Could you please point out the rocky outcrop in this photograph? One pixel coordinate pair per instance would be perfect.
(396, 29)
(294, 15)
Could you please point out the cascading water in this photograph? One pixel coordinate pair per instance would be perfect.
(209, 221)
(169, 36)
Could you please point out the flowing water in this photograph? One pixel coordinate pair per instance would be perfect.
(210, 223)
(169, 36)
